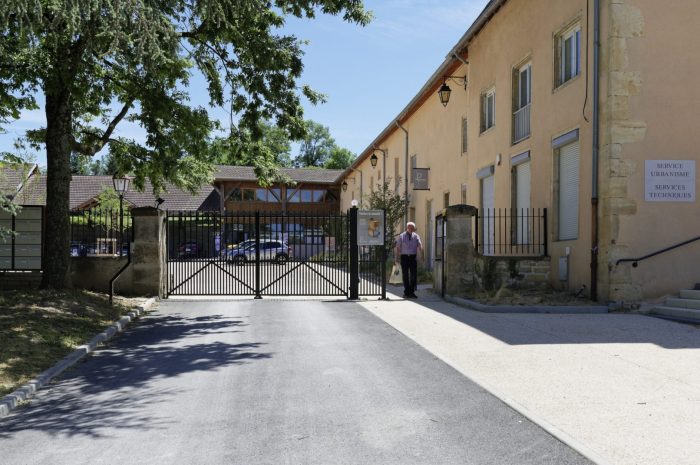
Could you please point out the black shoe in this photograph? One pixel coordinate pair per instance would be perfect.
(412, 296)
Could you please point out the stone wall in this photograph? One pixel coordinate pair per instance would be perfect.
(95, 273)
(516, 273)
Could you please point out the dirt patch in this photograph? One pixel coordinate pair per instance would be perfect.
(38, 328)
(506, 296)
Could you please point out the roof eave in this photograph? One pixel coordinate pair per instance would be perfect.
(450, 63)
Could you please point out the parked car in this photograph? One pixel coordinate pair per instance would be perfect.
(270, 250)
(78, 249)
(188, 250)
(241, 245)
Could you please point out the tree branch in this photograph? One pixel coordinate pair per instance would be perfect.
(91, 149)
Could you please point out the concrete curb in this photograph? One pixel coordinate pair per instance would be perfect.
(26, 392)
(564, 309)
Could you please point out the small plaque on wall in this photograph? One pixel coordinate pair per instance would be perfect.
(669, 180)
(420, 179)
(370, 227)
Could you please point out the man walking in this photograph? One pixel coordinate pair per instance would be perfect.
(408, 246)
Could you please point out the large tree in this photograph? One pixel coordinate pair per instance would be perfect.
(316, 146)
(339, 159)
(101, 62)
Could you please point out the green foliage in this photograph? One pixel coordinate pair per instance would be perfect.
(339, 159)
(8, 203)
(316, 145)
(83, 165)
(383, 197)
(101, 62)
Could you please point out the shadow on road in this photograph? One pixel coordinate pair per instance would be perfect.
(117, 387)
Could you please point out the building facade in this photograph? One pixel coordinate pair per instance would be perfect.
(538, 118)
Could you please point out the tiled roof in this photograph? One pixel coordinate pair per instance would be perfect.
(86, 188)
(247, 173)
(13, 177)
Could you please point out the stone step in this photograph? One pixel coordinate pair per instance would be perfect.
(682, 303)
(684, 314)
(690, 294)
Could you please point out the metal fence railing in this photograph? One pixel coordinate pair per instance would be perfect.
(521, 123)
(100, 232)
(517, 232)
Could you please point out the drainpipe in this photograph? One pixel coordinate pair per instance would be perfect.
(596, 142)
(119, 273)
(405, 179)
(361, 184)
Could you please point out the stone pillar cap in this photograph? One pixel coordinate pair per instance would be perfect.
(460, 209)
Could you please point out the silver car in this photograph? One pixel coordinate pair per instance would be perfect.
(270, 250)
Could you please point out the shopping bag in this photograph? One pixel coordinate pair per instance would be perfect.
(396, 277)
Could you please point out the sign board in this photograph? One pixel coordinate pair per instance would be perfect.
(420, 179)
(370, 227)
(669, 180)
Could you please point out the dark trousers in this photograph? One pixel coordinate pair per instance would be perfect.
(409, 270)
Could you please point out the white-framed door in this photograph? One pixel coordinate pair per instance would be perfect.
(523, 180)
(488, 225)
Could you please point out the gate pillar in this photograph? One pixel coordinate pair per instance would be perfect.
(354, 293)
(457, 273)
(148, 255)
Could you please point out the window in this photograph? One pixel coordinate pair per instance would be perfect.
(522, 95)
(568, 54)
(294, 196)
(464, 135)
(242, 195)
(567, 169)
(414, 164)
(464, 194)
(445, 200)
(488, 109)
(397, 178)
(521, 182)
(488, 225)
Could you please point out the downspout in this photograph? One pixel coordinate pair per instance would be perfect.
(119, 273)
(596, 142)
(405, 179)
(361, 184)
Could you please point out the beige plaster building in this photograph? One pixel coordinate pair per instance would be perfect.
(538, 117)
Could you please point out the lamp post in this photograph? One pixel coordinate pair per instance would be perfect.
(445, 91)
(121, 185)
(373, 160)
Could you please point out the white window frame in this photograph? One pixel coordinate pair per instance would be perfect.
(527, 69)
(488, 109)
(569, 55)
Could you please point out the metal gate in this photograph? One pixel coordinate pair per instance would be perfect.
(267, 254)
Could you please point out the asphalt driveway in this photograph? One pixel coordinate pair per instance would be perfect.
(270, 382)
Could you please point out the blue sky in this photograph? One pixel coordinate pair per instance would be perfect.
(368, 74)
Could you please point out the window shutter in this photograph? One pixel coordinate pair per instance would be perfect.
(483, 113)
(568, 191)
(522, 201)
(488, 226)
(464, 135)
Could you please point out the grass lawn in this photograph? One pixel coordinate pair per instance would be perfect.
(38, 328)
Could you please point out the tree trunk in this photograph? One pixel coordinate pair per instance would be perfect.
(58, 150)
